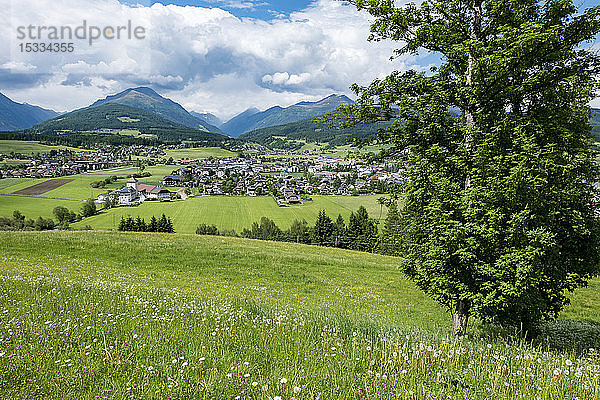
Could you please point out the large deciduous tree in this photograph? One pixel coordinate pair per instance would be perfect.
(498, 219)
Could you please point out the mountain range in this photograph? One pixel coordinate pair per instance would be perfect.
(17, 116)
(147, 113)
(253, 119)
(111, 118)
(147, 99)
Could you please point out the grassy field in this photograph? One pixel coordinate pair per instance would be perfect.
(118, 316)
(28, 147)
(33, 207)
(200, 153)
(234, 213)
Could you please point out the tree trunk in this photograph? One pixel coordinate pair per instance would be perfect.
(461, 317)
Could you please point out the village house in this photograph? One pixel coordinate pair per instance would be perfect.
(134, 193)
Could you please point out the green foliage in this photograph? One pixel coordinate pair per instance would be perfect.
(138, 224)
(89, 208)
(204, 229)
(323, 230)
(299, 232)
(498, 219)
(63, 215)
(266, 229)
(362, 231)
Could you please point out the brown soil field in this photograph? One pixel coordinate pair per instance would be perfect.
(43, 187)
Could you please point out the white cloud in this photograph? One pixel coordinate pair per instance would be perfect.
(207, 59)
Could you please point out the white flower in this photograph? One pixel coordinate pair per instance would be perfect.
(246, 375)
(254, 383)
(568, 362)
(283, 380)
(202, 359)
(296, 389)
(277, 398)
(557, 372)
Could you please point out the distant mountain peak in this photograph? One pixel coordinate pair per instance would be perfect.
(148, 99)
(17, 116)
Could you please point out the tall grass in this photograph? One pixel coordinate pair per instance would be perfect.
(84, 328)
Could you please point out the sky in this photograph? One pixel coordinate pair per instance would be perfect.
(218, 56)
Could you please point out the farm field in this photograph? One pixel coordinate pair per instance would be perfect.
(115, 316)
(28, 147)
(7, 182)
(200, 153)
(237, 213)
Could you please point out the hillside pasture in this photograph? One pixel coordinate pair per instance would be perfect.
(153, 316)
(199, 153)
(28, 147)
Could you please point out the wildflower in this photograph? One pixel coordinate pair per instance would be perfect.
(246, 375)
(254, 383)
(296, 389)
(283, 380)
(277, 398)
(557, 372)
(568, 362)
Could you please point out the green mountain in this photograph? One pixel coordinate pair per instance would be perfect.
(147, 99)
(119, 119)
(253, 119)
(17, 116)
(293, 135)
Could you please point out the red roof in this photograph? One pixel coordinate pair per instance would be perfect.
(145, 188)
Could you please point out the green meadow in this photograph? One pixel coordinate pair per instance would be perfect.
(106, 315)
(233, 212)
(28, 147)
(199, 153)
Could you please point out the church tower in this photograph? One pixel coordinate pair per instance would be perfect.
(132, 183)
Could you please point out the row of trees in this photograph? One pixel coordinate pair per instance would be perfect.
(18, 222)
(162, 224)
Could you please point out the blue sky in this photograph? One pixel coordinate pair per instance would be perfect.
(259, 9)
(218, 56)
